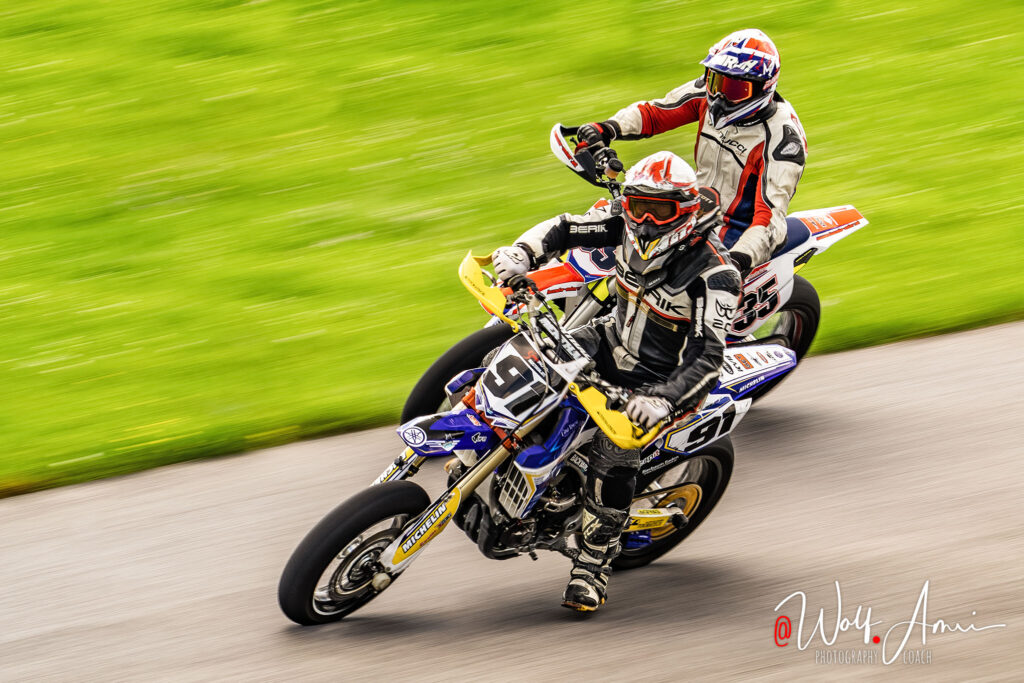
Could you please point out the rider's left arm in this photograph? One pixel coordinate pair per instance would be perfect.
(598, 227)
(715, 295)
(781, 167)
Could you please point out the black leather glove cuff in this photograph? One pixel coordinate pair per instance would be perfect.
(609, 130)
(532, 260)
(592, 133)
(742, 262)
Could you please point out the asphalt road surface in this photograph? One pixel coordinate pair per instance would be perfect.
(880, 469)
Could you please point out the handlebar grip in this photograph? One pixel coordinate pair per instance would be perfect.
(521, 283)
(612, 165)
(614, 168)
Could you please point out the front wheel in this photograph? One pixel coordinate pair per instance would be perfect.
(331, 571)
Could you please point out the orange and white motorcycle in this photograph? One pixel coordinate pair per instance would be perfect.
(777, 304)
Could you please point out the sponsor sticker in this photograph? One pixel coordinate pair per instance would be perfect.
(414, 436)
(422, 529)
(577, 460)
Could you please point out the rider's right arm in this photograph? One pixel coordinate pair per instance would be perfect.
(598, 227)
(683, 105)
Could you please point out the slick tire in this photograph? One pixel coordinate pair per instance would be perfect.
(799, 318)
(362, 525)
(715, 471)
(428, 393)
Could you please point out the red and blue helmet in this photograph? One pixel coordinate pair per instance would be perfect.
(741, 72)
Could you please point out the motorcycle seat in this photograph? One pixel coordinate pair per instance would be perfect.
(796, 233)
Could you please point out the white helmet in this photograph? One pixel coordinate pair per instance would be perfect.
(660, 201)
(742, 71)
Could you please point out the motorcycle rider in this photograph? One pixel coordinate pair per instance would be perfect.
(750, 145)
(677, 292)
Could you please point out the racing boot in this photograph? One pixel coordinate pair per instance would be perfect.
(588, 580)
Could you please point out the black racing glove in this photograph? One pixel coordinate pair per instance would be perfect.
(742, 262)
(594, 135)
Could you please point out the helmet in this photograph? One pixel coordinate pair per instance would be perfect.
(660, 202)
(742, 70)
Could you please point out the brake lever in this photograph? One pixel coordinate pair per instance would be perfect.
(521, 283)
(617, 397)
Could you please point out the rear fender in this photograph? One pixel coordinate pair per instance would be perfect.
(769, 286)
(828, 226)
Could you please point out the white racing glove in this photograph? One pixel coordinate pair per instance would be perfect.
(647, 411)
(509, 261)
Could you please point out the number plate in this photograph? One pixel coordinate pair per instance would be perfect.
(756, 305)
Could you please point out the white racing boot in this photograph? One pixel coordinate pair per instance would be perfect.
(588, 581)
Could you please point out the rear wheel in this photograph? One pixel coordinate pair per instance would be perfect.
(698, 484)
(428, 394)
(331, 572)
(793, 325)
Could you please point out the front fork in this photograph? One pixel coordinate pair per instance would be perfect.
(405, 465)
(417, 533)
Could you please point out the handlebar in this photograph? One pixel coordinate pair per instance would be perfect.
(618, 396)
(525, 291)
(598, 397)
(520, 284)
(600, 166)
(609, 160)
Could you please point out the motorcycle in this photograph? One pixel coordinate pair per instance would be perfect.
(515, 437)
(776, 305)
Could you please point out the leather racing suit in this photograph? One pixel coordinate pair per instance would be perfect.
(755, 164)
(668, 330)
(665, 338)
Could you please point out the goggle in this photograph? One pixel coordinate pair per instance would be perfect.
(734, 89)
(658, 211)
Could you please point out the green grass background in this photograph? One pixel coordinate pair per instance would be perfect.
(225, 225)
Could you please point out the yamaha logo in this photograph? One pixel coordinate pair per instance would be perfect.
(414, 436)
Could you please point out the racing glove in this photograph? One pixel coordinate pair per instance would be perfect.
(743, 263)
(647, 411)
(594, 135)
(509, 261)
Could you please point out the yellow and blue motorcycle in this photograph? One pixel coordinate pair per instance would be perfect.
(515, 434)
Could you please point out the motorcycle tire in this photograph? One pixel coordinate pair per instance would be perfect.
(716, 463)
(428, 394)
(343, 536)
(798, 323)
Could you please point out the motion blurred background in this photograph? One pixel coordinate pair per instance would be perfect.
(226, 225)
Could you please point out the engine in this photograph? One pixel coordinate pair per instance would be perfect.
(554, 515)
